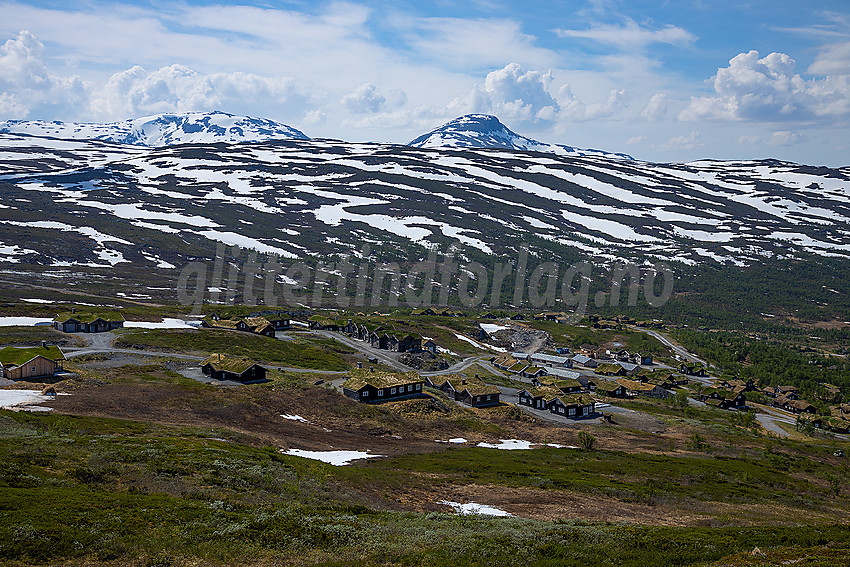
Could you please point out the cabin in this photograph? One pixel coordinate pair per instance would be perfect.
(634, 388)
(425, 312)
(642, 359)
(724, 399)
(88, 322)
(553, 399)
(610, 370)
(692, 369)
(794, 406)
(539, 397)
(373, 387)
(406, 343)
(320, 323)
(517, 317)
(562, 373)
(472, 392)
(568, 386)
(585, 361)
(504, 362)
(429, 345)
(28, 363)
(533, 372)
(279, 323)
(237, 369)
(573, 406)
(256, 325)
(551, 360)
(611, 389)
(631, 369)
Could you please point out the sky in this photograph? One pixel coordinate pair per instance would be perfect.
(662, 81)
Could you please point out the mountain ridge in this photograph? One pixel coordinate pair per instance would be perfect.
(487, 131)
(162, 129)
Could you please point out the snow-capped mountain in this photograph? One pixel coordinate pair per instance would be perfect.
(162, 129)
(485, 131)
(72, 203)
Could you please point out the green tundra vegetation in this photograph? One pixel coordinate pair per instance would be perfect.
(298, 353)
(79, 490)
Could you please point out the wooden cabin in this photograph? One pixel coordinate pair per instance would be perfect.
(88, 322)
(237, 369)
(369, 387)
(29, 363)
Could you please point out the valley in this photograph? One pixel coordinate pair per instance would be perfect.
(472, 349)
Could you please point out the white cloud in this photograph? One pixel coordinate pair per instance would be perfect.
(833, 59)
(177, 88)
(657, 107)
(631, 36)
(767, 89)
(455, 43)
(170, 89)
(636, 140)
(776, 139)
(364, 99)
(25, 83)
(689, 142)
(512, 93)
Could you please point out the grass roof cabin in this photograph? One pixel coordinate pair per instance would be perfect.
(237, 369)
(28, 363)
(473, 392)
(370, 386)
(88, 321)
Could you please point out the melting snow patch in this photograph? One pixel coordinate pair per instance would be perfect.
(455, 440)
(294, 417)
(23, 321)
(475, 508)
(36, 300)
(26, 400)
(166, 323)
(492, 328)
(508, 444)
(336, 458)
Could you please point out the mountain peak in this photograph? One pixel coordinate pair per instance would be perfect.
(163, 129)
(487, 131)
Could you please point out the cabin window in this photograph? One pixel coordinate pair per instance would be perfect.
(489, 397)
(584, 410)
(366, 393)
(418, 387)
(33, 369)
(392, 391)
(380, 393)
(572, 411)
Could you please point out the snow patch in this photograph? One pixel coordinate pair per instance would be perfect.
(336, 458)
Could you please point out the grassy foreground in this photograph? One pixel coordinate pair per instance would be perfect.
(77, 490)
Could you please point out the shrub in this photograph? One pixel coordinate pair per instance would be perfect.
(586, 440)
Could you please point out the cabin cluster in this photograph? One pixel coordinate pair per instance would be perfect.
(29, 363)
(88, 322)
(266, 326)
(384, 337)
(551, 398)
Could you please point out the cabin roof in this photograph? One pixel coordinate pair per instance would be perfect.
(89, 316)
(357, 379)
(12, 356)
(220, 362)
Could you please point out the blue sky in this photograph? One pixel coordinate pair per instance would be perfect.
(663, 81)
